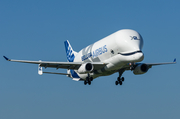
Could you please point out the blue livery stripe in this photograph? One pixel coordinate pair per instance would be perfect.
(74, 74)
(69, 52)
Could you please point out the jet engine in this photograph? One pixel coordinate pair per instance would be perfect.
(141, 69)
(85, 68)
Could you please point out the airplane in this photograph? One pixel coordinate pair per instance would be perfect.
(117, 52)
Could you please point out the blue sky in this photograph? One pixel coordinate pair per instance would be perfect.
(36, 30)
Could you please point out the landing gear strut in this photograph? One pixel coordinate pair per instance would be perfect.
(119, 79)
(88, 80)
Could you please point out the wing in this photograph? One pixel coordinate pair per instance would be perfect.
(155, 64)
(63, 65)
(132, 66)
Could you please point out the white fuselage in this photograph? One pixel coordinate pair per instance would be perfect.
(117, 49)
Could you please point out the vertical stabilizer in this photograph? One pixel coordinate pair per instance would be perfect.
(70, 53)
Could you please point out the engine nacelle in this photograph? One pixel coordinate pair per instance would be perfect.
(85, 68)
(141, 69)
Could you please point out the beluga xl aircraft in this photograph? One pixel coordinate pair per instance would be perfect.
(117, 52)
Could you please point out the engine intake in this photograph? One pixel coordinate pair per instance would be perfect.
(141, 69)
(85, 68)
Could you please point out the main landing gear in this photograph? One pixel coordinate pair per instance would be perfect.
(119, 79)
(88, 80)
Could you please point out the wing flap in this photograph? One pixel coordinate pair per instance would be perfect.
(63, 65)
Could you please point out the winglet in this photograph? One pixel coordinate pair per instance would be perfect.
(174, 60)
(6, 58)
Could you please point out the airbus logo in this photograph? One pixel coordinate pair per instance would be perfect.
(95, 53)
(134, 38)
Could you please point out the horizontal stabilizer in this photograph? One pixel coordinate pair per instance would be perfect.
(76, 79)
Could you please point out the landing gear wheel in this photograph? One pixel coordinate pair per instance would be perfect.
(119, 79)
(91, 78)
(122, 78)
(85, 82)
(89, 82)
(120, 82)
(116, 82)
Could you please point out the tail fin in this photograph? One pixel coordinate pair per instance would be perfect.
(70, 53)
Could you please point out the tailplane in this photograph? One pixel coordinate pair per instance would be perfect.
(70, 53)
